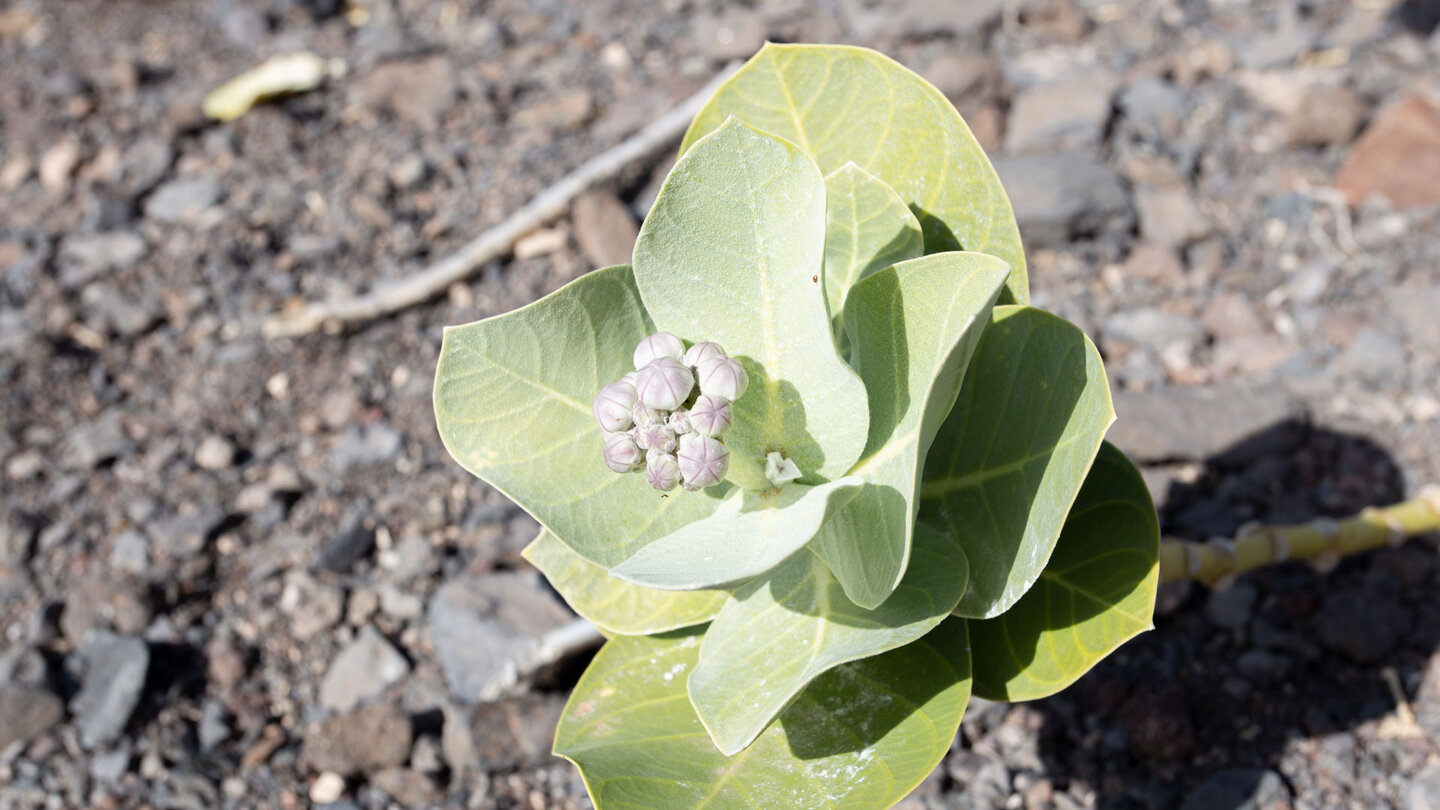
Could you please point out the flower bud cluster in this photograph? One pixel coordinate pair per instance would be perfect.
(669, 416)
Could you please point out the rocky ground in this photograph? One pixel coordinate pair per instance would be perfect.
(238, 572)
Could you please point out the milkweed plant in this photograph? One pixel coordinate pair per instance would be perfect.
(811, 461)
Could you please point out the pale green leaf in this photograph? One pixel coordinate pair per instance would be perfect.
(867, 229)
(1010, 458)
(913, 328)
(1097, 592)
(782, 630)
(732, 252)
(748, 535)
(614, 606)
(843, 104)
(862, 735)
(512, 403)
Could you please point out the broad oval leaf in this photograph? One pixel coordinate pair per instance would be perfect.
(1097, 592)
(512, 404)
(862, 735)
(782, 630)
(913, 327)
(751, 533)
(614, 606)
(867, 229)
(1011, 456)
(842, 103)
(732, 252)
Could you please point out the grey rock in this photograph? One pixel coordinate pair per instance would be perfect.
(105, 602)
(400, 604)
(185, 534)
(109, 767)
(144, 163)
(411, 558)
(408, 787)
(1372, 356)
(1361, 625)
(1193, 422)
(313, 606)
(1154, 106)
(362, 445)
(1239, 789)
(114, 669)
(1064, 115)
(1233, 607)
(86, 256)
(113, 311)
(1425, 790)
(362, 670)
(24, 665)
(98, 441)
(372, 737)
(1152, 327)
(214, 726)
(26, 712)
(1059, 197)
(1262, 666)
(183, 199)
(1169, 216)
(515, 732)
(484, 627)
(130, 553)
(1414, 306)
(349, 545)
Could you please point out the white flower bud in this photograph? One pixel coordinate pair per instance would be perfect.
(679, 422)
(645, 416)
(660, 344)
(662, 470)
(780, 470)
(710, 416)
(701, 352)
(629, 377)
(622, 454)
(613, 406)
(665, 383)
(703, 461)
(655, 437)
(721, 377)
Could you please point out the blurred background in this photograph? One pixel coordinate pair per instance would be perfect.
(240, 572)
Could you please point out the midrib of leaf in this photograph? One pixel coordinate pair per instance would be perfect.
(1059, 580)
(940, 487)
(767, 320)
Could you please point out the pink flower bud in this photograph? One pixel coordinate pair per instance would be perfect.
(722, 377)
(656, 437)
(660, 344)
(645, 416)
(622, 454)
(662, 470)
(703, 461)
(613, 406)
(665, 383)
(710, 416)
(679, 422)
(701, 352)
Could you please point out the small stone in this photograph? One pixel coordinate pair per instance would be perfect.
(313, 606)
(225, 663)
(1239, 789)
(103, 602)
(26, 712)
(1169, 216)
(409, 788)
(604, 228)
(566, 109)
(113, 675)
(1064, 115)
(338, 407)
(85, 257)
(399, 604)
(182, 200)
(1151, 327)
(1361, 625)
(214, 728)
(1232, 315)
(1194, 422)
(416, 91)
(58, 164)
(361, 671)
(109, 767)
(91, 444)
(1059, 197)
(348, 546)
(110, 310)
(484, 627)
(412, 558)
(1159, 723)
(327, 788)
(1262, 666)
(184, 535)
(214, 453)
(372, 737)
(515, 732)
(130, 553)
(1232, 607)
(408, 172)
(1414, 306)
(1398, 157)
(427, 755)
(1372, 356)
(363, 445)
(1326, 116)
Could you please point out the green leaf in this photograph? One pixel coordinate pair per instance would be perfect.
(784, 629)
(844, 104)
(862, 735)
(614, 606)
(867, 229)
(914, 327)
(512, 403)
(1010, 458)
(732, 252)
(748, 535)
(1097, 592)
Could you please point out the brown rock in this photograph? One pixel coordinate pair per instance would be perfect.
(1232, 315)
(566, 109)
(371, 738)
(515, 732)
(417, 91)
(1170, 216)
(409, 788)
(1398, 156)
(604, 228)
(26, 712)
(1159, 723)
(1326, 115)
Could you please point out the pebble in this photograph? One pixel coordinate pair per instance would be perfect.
(91, 444)
(182, 200)
(214, 453)
(109, 767)
(1152, 327)
(515, 732)
(214, 727)
(1361, 625)
(184, 535)
(363, 445)
(1425, 790)
(110, 310)
(113, 676)
(484, 626)
(1239, 789)
(1373, 356)
(1059, 197)
(417, 91)
(1398, 157)
(604, 228)
(1169, 216)
(1233, 607)
(372, 737)
(363, 669)
(348, 546)
(1064, 115)
(1262, 666)
(105, 602)
(26, 712)
(409, 788)
(84, 257)
(313, 606)
(58, 164)
(130, 553)
(567, 109)
(1414, 306)
(1194, 422)
(328, 787)
(410, 559)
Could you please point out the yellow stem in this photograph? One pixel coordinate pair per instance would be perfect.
(1323, 541)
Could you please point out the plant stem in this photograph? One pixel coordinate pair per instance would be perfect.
(1323, 541)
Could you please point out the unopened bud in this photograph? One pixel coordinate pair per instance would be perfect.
(655, 437)
(662, 470)
(710, 416)
(665, 383)
(701, 352)
(679, 422)
(614, 405)
(629, 377)
(645, 416)
(622, 454)
(721, 377)
(703, 461)
(660, 344)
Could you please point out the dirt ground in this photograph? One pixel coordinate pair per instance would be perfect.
(233, 571)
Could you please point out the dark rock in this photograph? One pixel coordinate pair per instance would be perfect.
(26, 712)
(370, 738)
(113, 670)
(1231, 608)
(1361, 625)
(484, 627)
(1158, 722)
(362, 670)
(1262, 666)
(1239, 789)
(1059, 197)
(350, 545)
(182, 200)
